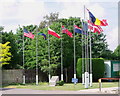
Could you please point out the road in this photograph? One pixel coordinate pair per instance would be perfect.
(113, 90)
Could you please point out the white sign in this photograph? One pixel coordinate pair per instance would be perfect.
(116, 67)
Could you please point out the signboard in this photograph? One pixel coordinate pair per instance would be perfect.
(116, 67)
(74, 80)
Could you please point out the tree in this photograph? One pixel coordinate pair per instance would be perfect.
(107, 54)
(117, 53)
(99, 45)
(5, 55)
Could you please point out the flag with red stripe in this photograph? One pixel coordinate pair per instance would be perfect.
(28, 34)
(51, 32)
(94, 28)
(66, 31)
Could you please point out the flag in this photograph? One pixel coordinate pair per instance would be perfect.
(77, 29)
(42, 35)
(51, 32)
(85, 27)
(64, 30)
(94, 28)
(28, 34)
(96, 21)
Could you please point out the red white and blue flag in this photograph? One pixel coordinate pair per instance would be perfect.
(66, 31)
(77, 29)
(51, 32)
(94, 28)
(28, 34)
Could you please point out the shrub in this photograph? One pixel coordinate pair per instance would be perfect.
(60, 83)
(98, 68)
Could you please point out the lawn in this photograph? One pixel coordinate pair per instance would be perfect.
(67, 86)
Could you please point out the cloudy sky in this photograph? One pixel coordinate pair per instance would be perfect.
(25, 12)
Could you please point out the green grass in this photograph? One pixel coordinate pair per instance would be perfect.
(67, 86)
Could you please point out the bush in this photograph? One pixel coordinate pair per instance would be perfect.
(98, 68)
(60, 83)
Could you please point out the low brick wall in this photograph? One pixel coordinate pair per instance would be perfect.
(12, 76)
(16, 76)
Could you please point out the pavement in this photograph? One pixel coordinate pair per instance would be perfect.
(112, 90)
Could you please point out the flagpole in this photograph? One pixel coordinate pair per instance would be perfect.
(36, 58)
(61, 55)
(87, 49)
(86, 55)
(90, 57)
(90, 62)
(74, 56)
(23, 61)
(90, 49)
(83, 68)
(85, 42)
(49, 55)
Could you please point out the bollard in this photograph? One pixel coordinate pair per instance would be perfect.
(100, 84)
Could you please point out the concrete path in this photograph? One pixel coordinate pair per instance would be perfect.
(112, 90)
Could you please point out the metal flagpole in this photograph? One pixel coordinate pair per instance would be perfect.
(23, 61)
(83, 68)
(87, 48)
(86, 64)
(90, 58)
(49, 55)
(85, 42)
(61, 55)
(74, 56)
(36, 57)
(90, 62)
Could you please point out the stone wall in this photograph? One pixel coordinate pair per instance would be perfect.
(12, 76)
(16, 76)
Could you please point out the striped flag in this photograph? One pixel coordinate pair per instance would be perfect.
(94, 28)
(66, 31)
(51, 32)
(28, 34)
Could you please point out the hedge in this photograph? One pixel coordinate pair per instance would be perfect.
(98, 68)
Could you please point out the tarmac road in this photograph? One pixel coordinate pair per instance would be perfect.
(113, 90)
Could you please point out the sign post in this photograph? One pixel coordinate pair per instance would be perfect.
(75, 80)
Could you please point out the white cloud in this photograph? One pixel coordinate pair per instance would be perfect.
(77, 9)
(23, 12)
(97, 10)
(112, 38)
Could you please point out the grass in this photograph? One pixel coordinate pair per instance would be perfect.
(66, 86)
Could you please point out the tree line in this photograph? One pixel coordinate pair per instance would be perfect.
(99, 45)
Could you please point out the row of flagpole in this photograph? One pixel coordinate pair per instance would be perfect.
(49, 56)
(86, 53)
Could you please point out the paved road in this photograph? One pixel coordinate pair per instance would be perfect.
(87, 91)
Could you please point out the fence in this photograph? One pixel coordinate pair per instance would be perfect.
(16, 76)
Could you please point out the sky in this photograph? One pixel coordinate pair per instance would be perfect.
(26, 12)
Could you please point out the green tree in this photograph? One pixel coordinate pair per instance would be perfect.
(117, 53)
(10, 37)
(5, 55)
(99, 45)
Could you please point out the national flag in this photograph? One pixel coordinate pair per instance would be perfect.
(77, 29)
(64, 30)
(28, 34)
(94, 28)
(51, 32)
(96, 21)
(42, 35)
(85, 26)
